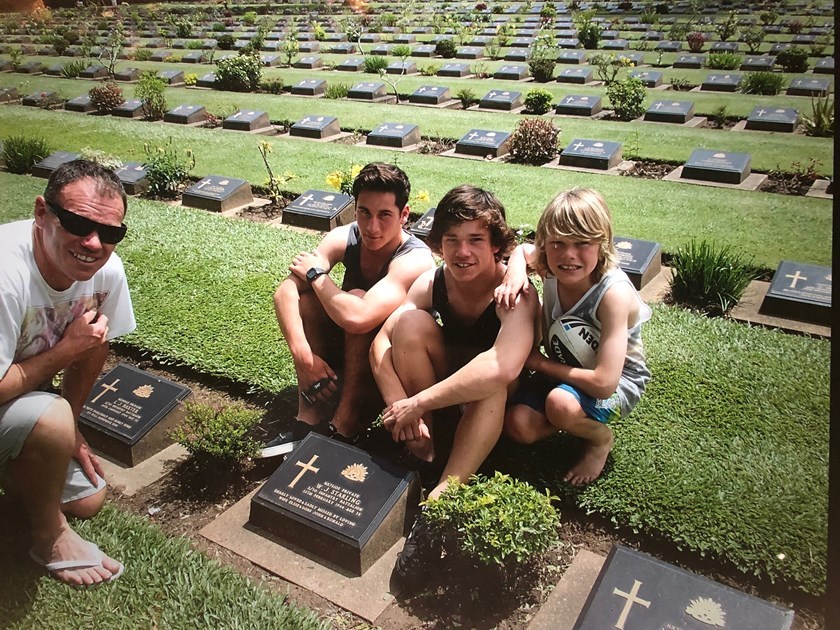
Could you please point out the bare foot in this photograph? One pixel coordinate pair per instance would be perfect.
(69, 547)
(591, 463)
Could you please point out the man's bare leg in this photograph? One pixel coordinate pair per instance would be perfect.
(420, 362)
(37, 476)
(321, 334)
(357, 384)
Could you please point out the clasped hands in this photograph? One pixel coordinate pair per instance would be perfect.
(404, 420)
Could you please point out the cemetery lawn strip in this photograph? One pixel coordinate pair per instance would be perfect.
(166, 584)
(672, 143)
(671, 213)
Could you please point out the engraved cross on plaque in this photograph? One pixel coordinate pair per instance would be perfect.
(110, 388)
(577, 146)
(304, 468)
(795, 277)
(761, 112)
(631, 599)
(306, 199)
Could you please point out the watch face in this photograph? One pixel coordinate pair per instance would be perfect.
(313, 273)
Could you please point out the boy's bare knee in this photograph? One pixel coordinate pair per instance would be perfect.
(562, 408)
(519, 430)
(86, 507)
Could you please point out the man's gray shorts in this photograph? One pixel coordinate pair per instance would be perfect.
(17, 419)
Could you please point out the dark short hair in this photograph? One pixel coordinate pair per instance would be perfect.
(381, 177)
(107, 183)
(469, 203)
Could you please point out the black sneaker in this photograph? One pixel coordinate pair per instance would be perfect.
(413, 562)
(352, 440)
(286, 441)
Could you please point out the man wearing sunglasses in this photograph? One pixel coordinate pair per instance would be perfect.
(63, 297)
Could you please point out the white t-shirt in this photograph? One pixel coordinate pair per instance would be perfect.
(33, 315)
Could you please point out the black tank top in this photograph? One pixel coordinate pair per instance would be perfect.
(352, 259)
(480, 334)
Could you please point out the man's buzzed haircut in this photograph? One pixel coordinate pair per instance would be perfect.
(381, 177)
(468, 203)
(107, 183)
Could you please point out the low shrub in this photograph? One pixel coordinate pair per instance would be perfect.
(151, 89)
(446, 48)
(401, 50)
(534, 141)
(538, 101)
(708, 278)
(218, 435)
(106, 97)
(168, 168)
(627, 98)
(753, 37)
(821, 121)
(695, 41)
(793, 59)
(73, 68)
(430, 70)
(21, 153)
(225, 42)
(467, 97)
(681, 84)
(542, 69)
(336, 90)
(762, 82)
(143, 54)
(272, 86)
(723, 61)
(239, 74)
(375, 63)
(190, 79)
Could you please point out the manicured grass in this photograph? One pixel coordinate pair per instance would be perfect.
(767, 226)
(672, 143)
(166, 584)
(726, 454)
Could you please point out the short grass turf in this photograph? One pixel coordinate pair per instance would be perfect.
(166, 584)
(726, 454)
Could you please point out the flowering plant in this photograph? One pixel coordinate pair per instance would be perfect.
(342, 180)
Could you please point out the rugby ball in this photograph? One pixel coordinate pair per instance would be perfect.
(574, 341)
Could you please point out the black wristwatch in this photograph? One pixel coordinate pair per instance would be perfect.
(314, 273)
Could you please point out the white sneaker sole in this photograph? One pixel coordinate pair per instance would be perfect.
(280, 449)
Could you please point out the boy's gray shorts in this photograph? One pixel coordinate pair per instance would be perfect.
(17, 419)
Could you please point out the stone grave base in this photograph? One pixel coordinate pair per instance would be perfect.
(624, 165)
(522, 80)
(480, 158)
(694, 122)
(562, 608)
(388, 99)
(661, 88)
(332, 138)
(271, 130)
(657, 288)
(129, 481)
(752, 182)
(516, 110)
(747, 311)
(258, 202)
(306, 95)
(741, 125)
(819, 189)
(450, 104)
(366, 596)
(406, 149)
(573, 116)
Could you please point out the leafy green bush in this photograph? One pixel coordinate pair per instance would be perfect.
(22, 153)
(495, 521)
(106, 97)
(681, 84)
(627, 98)
(534, 141)
(467, 97)
(728, 28)
(762, 82)
(793, 59)
(430, 70)
(401, 50)
(336, 90)
(723, 61)
(375, 63)
(821, 121)
(218, 435)
(168, 169)
(151, 89)
(143, 54)
(272, 86)
(225, 42)
(538, 101)
(589, 32)
(239, 74)
(542, 58)
(249, 18)
(753, 37)
(708, 278)
(73, 68)
(446, 48)
(542, 69)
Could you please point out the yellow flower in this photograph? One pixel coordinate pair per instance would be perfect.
(265, 147)
(422, 195)
(355, 170)
(334, 180)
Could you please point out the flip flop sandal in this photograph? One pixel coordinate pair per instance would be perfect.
(95, 560)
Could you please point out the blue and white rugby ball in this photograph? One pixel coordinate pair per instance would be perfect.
(574, 341)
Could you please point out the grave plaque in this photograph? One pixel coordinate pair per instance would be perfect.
(206, 81)
(367, 91)
(804, 86)
(30, 67)
(381, 49)
(45, 167)
(724, 47)
(343, 49)
(370, 38)
(132, 108)
(268, 60)
(172, 77)
(775, 49)
(598, 154)
(454, 70)
(42, 99)
(721, 82)
(397, 135)
(308, 63)
(320, 210)
(55, 70)
(401, 67)
(824, 66)
(690, 61)
(425, 50)
(806, 40)
(517, 54)
(782, 119)
(310, 87)
(247, 120)
(482, 143)
(195, 56)
(421, 227)
(650, 78)
(9, 95)
(571, 56)
(679, 112)
(186, 115)
(609, 35)
(521, 42)
(636, 58)
(615, 44)
(134, 177)
(80, 104)
(578, 76)
(404, 39)
(337, 502)
(669, 46)
(569, 43)
(6, 65)
(351, 65)
(759, 62)
(717, 166)
(801, 292)
(160, 55)
(503, 100)
(95, 71)
(127, 74)
(430, 95)
(579, 105)
(640, 260)
(124, 415)
(218, 193)
(635, 591)
(469, 52)
(316, 127)
(309, 47)
(512, 73)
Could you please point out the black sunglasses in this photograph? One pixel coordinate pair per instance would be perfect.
(78, 225)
